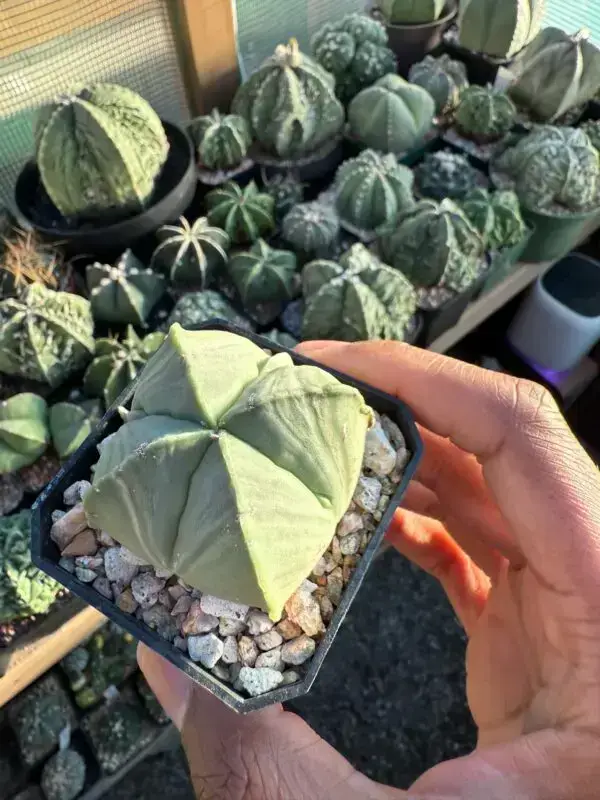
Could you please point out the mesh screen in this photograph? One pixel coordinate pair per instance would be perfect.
(53, 47)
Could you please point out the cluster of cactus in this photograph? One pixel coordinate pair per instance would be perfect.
(446, 174)
(286, 189)
(24, 259)
(485, 114)
(392, 115)
(443, 78)
(290, 104)
(356, 299)
(221, 141)
(497, 217)
(117, 363)
(63, 776)
(265, 279)
(550, 169)
(72, 139)
(372, 189)
(252, 438)
(412, 12)
(124, 292)
(195, 308)
(45, 335)
(310, 227)
(24, 589)
(498, 29)
(591, 128)
(355, 51)
(244, 214)
(191, 255)
(434, 245)
(24, 433)
(556, 73)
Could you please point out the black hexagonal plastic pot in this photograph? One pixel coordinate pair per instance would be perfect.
(45, 554)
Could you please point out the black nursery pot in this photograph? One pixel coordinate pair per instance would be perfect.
(174, 192)
(481, 68)
(45, 554)
(411, 43)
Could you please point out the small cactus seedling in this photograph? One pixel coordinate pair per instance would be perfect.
(70, 425)
(286, 189)
(244, 214)
(485, 114)
(310, 227)
(194, 308)
(191, 254)
(24, 434)
(221, 141)
(443, 78)
(497, 217)
(446, 174)
(412, 12)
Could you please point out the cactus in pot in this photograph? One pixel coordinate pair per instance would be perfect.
(194, 308)
(443, 78)
(100, 151)
(485, 114)
(24, 433)
(290, 104)
(244, 214)
(70, 425)
(190, 254)
(286, 189)
(500, 29)
(253, 439)
(446, 174)
(221, 141)
(310, 227)
(392, 115)
(411, 12)
(497, 217)
(63, 776)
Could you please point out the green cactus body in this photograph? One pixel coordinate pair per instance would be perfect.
(195, 308)
(310, 227)
(125, 292)
(552, 168)
(497, 217)
(24, 433)
(191, 254)
(244, 214)
(555, 73)
(290, 104)
(118, 363)
(253, 440)
(372, 189)
(592, 131)
(265, 279)
(70, 425)
(499, 29)
(100, 151)
(63, 776)
(446, 174)
(443, 78)
(355, 51)
(24, 589)
(221, 141)
(286, 190)
(357, 299)
(434, 245)
(412, 12)
(392, 116)
(44, 335)
(485, 114)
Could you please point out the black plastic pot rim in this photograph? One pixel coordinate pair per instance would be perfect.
(217, 177)
(51, 498)
(415, 26)
(264, 159)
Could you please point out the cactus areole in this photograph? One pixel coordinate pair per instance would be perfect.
(262, 459)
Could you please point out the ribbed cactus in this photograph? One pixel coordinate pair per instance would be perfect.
(446, 174)
(286, 189)
(191, 254)
(356, 299)
(372, 189)
(592, 131)
(412, 12)
(434, 245)
(44, 335)
(443, 78)
(485, 114)
(70, 425)
(497, 217)
(355, 51)
(24, 433)
(265, 279)
(499, 29)
(252, 440)
(310, 227)
(100, 151)
(555, 73)
(221, 141)
(552, 169)
(117, 363)
(124, 292)
(194, 308)
(244, 214)
(63, 776)
(392, 116)
(290, 104)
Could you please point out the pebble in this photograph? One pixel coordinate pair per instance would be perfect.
(118, 570)
(393, 432)
(85, 575)
(335, 586)
(330, 563)
(350, 544)
(176, 591)
(290, 676)
(102, 586)
(197, 621)
(349, 523)
(183, 604)
(145, 588)
(367, 493)
(380, 456)
(84, 544)
(159, 619)
(336, 550)
(57, 514)
(259, 681)
(320, 568)
(76, 492)
(258, 622)
(180, 643)
(288, 629)
(307, 586)
(65, 529)
(268, 640)
(230, 627)
(327, 608)
(230, 650)
(272, 659)
(224, 608)
(127, 602)
(67, 563)
(298, 650)
(248, 651)
(131, 558)
(163, 573)
(205, 649)
(165, 599)
(105, 539)
(90, 562)
(221, 672)
(234, 673)
(303, 609)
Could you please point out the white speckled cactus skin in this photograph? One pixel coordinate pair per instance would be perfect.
(499, 29)
(497, 217)
(222, 141)
(311, 226)
(485, 114)
(443, 78)
(445, 174)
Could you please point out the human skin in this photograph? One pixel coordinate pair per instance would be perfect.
(505, 513)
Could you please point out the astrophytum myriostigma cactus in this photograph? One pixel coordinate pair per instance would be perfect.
(244, 214)
(263, 458)
(446, 174)
(497, 217)
(191, 255)
(411, 12)
(286, 189)
(499, 29)
(194, 308)
(222, 141)
(485, 114)
(70, 425)
(24, 433)
(311, 226)
(443, 78)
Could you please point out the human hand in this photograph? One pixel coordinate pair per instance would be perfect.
(505, 512)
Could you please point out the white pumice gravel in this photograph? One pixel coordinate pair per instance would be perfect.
(118, 570)
(76, 492)
(205, 649)
(259, 681)
(258, 623)
(223, 608)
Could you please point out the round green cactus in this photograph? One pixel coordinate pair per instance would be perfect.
(44, 335)
(443, 78)
(124, 292)
(286, 189)
(244, 214)
(195, 308)
(499, 29)
(392, 116)
(290, 104)
(250, 439)
(446, 174)
(434, 245)
(591, 128)
(63, 776)
(190, 254)
(372, 189)
(412, 12)
(497, 217)
(552, 169)
(265, 279)
(221, 141)
(70, 425)
(485, 114)
(100, 151)
(356, 299)
(24, 433)
(309, 227)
